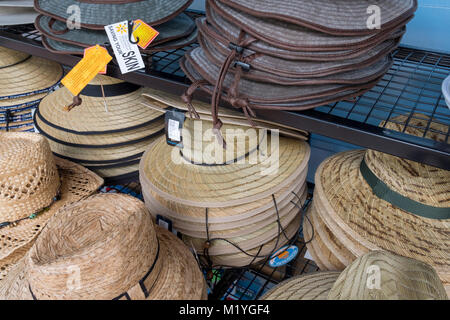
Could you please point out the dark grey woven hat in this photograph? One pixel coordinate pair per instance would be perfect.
(95, 14)
(340, 17)
(180, 27)
(295, 37)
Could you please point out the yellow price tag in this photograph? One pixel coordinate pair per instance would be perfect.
(144, 33)
(86, 70)
(89, 51)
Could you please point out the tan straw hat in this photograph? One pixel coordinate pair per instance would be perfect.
(23, 75)
(381, 275)
(105, 247)
(368, 200)
(33, 186)
(378, 275)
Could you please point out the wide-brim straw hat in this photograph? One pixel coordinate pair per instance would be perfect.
(295, 37)
(10, 16)
(97, 14)
(32, 178)
(378, 275)
(223, 185)
(162, 101)
(119, 254)
(229, 32)
(180, 27)
(362, 221)
(342, 17)
(123, 110)
(22, 75)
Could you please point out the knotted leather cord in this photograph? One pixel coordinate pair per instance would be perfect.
(125, 294)
(77, 101)
(35, 214)
(281, 230)
(186, 97)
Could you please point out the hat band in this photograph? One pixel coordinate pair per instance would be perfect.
(382, 191)
(125, 294)
(15, 63)
(110, 90)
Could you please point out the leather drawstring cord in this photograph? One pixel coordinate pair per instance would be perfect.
(75, 103)
(187, 96)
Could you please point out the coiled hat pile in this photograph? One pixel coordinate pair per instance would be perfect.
(293, 55)
(368, 200)
(24, 81)
(176, 29)
(235, 206)
(107, 133)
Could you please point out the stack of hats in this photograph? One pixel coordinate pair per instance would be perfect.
(107, 133)
(16, 12)
(378, 275)
(292, 55)
(105, 247)
(34, 185)
(368, 200)
(24, 81)
(234, 206)
(176, 29)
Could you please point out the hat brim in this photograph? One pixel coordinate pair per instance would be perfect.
(33, 76)
(96, 16)
(315, 286)
(344, 196)
(77, 183)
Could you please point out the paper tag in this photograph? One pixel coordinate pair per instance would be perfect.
(86, 70)
(308, 256)
(89, 51)
(144, 33)
(164, 222)
(174, 121)
(283, 256)
(127, 54)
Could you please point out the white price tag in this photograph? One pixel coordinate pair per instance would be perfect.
(308, 256)
(174, 130)
(127, 54)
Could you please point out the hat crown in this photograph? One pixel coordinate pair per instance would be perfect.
(201, 145)
(29, 178)
(97, 248)
(381, 275)
(419, 182)
(10, 57)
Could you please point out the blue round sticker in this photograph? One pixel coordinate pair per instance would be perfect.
(283, 256)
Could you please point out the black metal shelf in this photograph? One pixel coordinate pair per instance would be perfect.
(412, 85)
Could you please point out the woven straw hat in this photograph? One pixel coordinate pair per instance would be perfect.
(399, 278)
(378, 275)
(161, 101)
(23, 75)
(95, 14)
(111, 244)
(342, 17)
(31, 179)
(342, 195)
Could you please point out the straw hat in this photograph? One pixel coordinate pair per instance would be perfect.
(97, 13)
(33, 186)
(110, 242)
(400, 278)
(415, 226)
(378, 275)
(343, 17)
(23, 75)
(123, 110)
